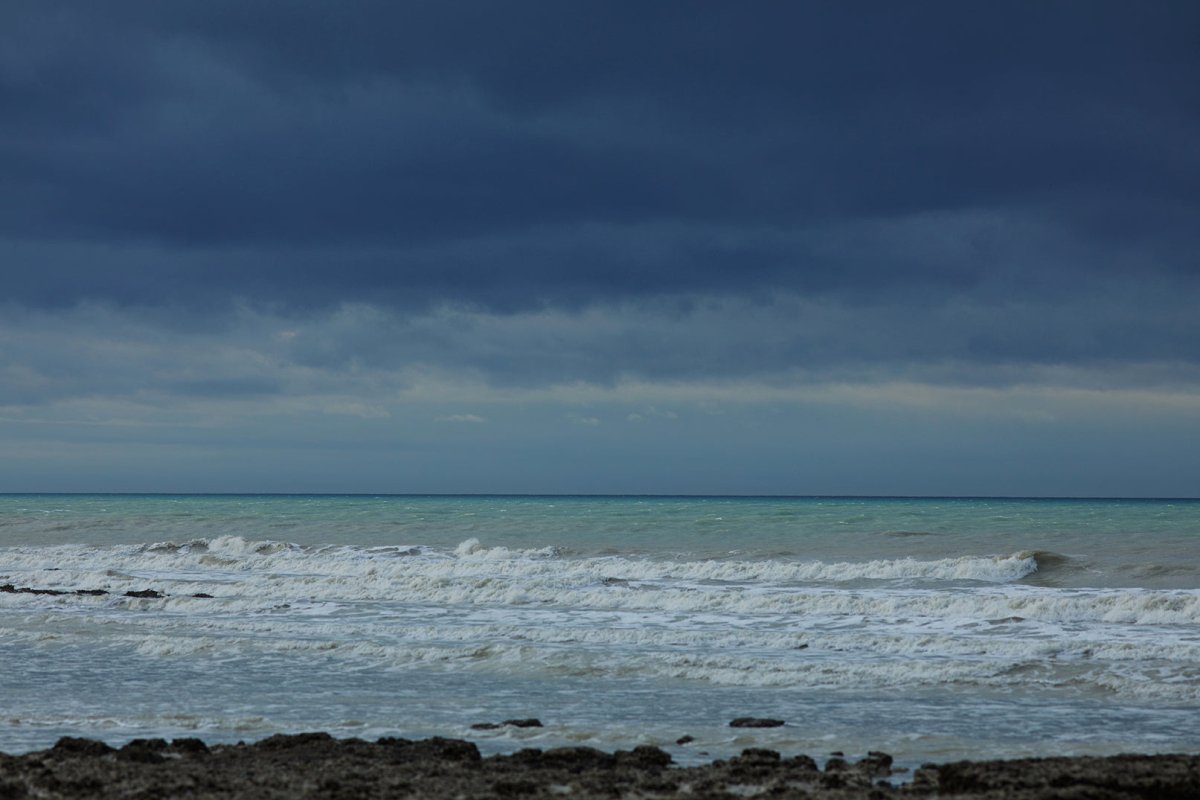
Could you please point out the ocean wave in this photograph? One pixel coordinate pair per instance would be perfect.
(266, 574)
(471, 555)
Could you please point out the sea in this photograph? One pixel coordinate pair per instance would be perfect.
(934, 629)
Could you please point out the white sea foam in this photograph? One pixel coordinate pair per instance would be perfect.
(966, 620)
(470, 558)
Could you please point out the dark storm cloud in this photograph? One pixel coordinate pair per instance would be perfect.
(739, 189)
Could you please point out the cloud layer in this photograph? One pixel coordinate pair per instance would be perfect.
(218, 211)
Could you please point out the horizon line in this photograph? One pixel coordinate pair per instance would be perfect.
(606, 495)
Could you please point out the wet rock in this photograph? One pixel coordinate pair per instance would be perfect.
(80, 747)
(144, 593)
(203, 595)
(9, 588)
(283, 741)
(801, 763)
(1123, 776)
(317, 765)
(836, 764)
(575, 759)
(392, 741)
(440, 749)
(685, 740)
(644, 756)
(518, 788)
(876, 764)
(757, 756)
(143, 751)
(189, 745)
(755, 722)
(515, 723)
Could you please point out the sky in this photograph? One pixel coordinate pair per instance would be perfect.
(927, 248)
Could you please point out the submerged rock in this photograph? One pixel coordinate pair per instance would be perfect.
(515, 723)
(8, 588)
(756, 722)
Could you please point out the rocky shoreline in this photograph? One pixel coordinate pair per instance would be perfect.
(315, 765)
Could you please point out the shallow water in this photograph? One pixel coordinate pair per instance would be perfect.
(931, 628)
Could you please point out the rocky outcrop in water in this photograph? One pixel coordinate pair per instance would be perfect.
(756, 722)
(513, 723)
(9, 588)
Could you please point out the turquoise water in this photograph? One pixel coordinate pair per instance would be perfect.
(867, 623)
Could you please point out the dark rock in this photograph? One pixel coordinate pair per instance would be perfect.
(156, 745)
(393, 741)
(29, 590)
(576, 759)
(189, 745)
(316, 765)
(440, 749)
(755, 722)
(664, 785)
(834, 780)
(283, 741)
(644, 755)
(144, 593)
(685, 740)
(518, 788)
(527, 756)
(204, 595)
(516, 723)
(79, 746)
(11, 790)
(801, 762)
(143, 751)
(9, 588)
(876, 764)
(758, 755)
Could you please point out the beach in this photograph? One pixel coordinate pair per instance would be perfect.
(317, 765)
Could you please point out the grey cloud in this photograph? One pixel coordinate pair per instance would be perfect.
(541, 193)
(520, 154)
